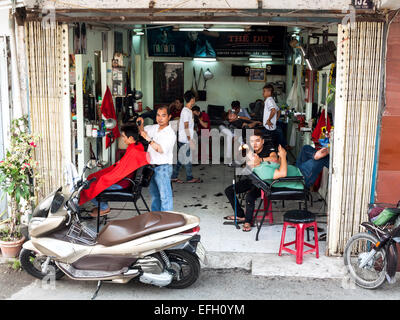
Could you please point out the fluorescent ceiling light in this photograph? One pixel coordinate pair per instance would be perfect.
(226, 29)
(260, 59)
(191, 29)
(205, 59)
(138, 32)
(212, 29)
(212, 22)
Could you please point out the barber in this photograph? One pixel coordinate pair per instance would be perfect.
(161, 138)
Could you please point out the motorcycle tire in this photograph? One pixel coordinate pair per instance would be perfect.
(372, 284)
(187, 260)
(25, 258)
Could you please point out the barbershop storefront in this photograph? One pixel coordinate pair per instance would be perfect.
(84, 51)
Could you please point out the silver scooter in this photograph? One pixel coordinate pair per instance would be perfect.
(158, 248)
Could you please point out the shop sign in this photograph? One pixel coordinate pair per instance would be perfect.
(164, 41)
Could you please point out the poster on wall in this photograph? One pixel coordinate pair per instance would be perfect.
(168, 82)
(257, 75)
(166, 42)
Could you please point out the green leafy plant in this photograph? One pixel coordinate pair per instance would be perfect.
(331, 93)
(18, 172)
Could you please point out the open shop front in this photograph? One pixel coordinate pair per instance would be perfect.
(145, 65)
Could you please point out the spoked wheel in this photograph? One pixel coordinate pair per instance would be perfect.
(372, 275)
(32, 263)
(186, 267)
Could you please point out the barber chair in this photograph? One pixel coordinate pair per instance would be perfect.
(277, 193)
(141, 180)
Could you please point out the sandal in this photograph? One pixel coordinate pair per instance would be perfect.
(194, 180)
(102, 212)
(232, 218)
(177, 180)
(246, 227)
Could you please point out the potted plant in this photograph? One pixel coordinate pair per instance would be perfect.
(17, 173)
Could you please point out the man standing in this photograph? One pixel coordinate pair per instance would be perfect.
(270, 112)
(161, 138)
(185, 139)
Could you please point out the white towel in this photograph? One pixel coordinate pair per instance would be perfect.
(70, 176)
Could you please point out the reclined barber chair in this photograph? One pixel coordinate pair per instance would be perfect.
(277, 193)
(141, 180)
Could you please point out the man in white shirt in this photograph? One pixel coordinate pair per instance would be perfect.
(270, 112)
(161, 138)
(185, 139)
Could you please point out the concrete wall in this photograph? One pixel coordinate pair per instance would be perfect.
(388, 179)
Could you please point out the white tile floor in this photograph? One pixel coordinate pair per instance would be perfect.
(208, 201)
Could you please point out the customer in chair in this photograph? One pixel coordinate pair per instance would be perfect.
(113, 177)
(263, 152)
(161, 138)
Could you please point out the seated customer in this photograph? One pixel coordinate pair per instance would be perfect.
(176, 108)
(241, 113)
(202, 126)
(261, 152)
(309, 164)
(235, 122)
(112, 177)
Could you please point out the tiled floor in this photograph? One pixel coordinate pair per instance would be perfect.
(208, 201)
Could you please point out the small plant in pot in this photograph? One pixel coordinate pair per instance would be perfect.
(18, 171)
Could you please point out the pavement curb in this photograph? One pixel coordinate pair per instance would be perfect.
(272, 265)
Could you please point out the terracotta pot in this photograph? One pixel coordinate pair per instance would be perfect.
(11, 249)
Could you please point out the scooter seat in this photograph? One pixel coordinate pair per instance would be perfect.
(120, 231)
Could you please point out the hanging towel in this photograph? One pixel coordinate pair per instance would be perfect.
(70, 176)
(134, 158)
(108, 111)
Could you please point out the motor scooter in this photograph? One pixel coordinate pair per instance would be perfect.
(371, 257)
(158, 248)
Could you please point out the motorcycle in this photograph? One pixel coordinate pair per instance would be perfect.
(371, 257)
(157, 248)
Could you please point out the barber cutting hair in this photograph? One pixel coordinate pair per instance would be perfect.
(161, 138)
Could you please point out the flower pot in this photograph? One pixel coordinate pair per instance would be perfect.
(11, 249)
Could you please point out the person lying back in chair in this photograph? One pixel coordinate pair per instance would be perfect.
(112, 177)
(309, 164)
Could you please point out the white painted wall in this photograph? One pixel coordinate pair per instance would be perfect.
(221, 90)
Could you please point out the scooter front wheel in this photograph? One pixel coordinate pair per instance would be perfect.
(31, 263)
(186, 267)
(372, 274)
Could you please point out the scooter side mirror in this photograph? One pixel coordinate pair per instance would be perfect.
(92, 163)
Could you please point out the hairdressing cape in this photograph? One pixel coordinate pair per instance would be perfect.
(134, 158)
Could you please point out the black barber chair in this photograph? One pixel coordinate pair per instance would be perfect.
(277, 193)
(141, 180)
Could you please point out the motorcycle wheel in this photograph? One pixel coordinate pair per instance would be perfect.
(373, 274)
(31, 263)
(186, 267)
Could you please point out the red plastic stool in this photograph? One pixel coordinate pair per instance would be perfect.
(269, 216)
(301, 220)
